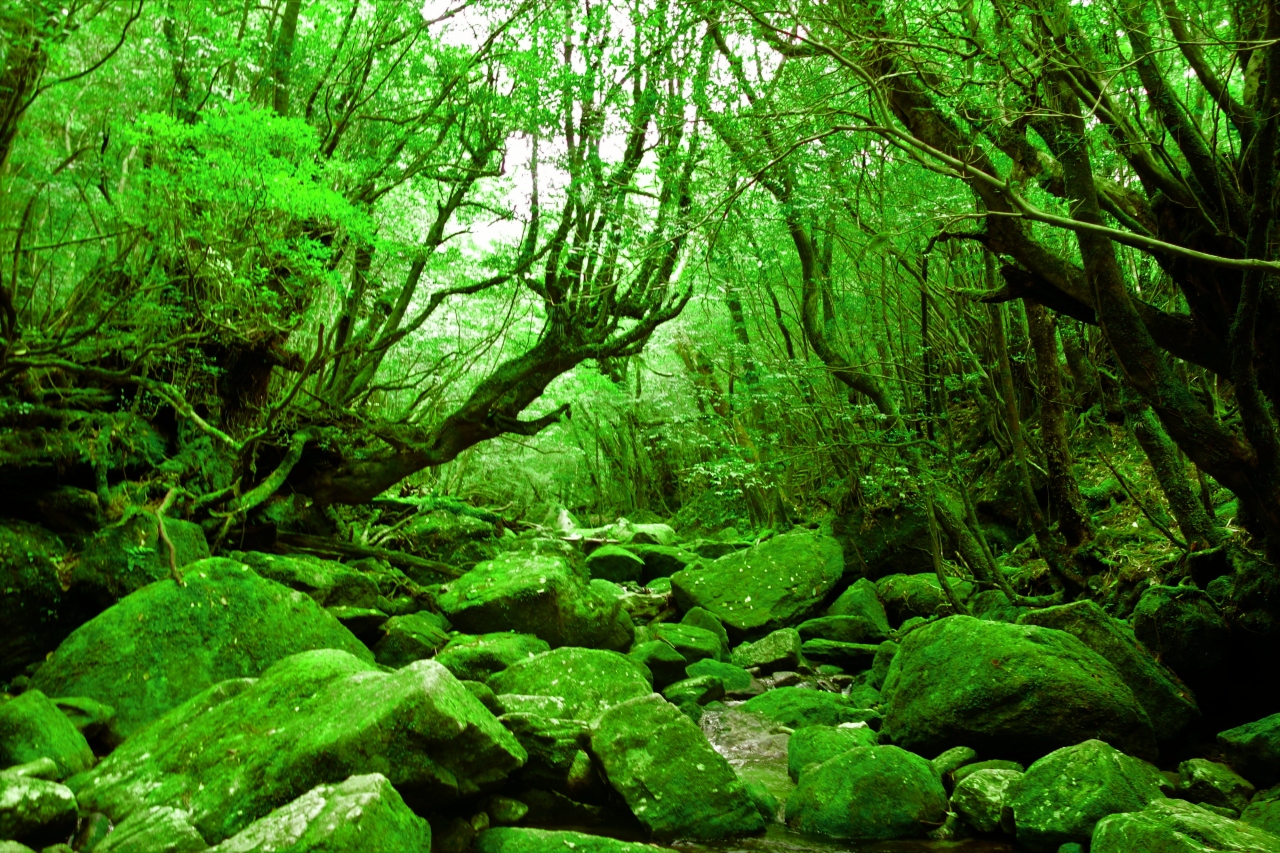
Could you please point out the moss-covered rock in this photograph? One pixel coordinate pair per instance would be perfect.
(664, 663)
(862, 600)
(668, 774)
(869, 793)
(34, 608)
(476, 657)
(1210, 783)
(242, 748)
(165, 643)
(1264, 811)
(1183, 626)
(979, 797)
(698, 690)
(536, 595)
(1062, 796)
(796, 707)
(692, 642)
(662, 561)
(1010, 691)
(766, 587)
(812, 745)
(1254, 750)
(733, 677)
(844, 629)
(779, 650)
(1167, 701)
(699, 617)
(405, 639)
(32, 727)
(364, 814)
(851, 657)
(35, 811)
(1174, 826)
(588, 680)
(614, 563)
(522, 840)
(159, 828)
(329, 583)
(118, 561)
(909, 596)
(558, 758)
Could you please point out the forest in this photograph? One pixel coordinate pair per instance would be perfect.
(499, 426)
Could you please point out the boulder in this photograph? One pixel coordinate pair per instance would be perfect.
(536, 595)
(522, 840)
(668, 774)
(701, 618)
(861, 600)
(32, 727)
(1174, 826)
(158, 829)
(166, 643)
(1062, 796)
(1264, 811)
(364, 814)
(614, 563)
(1009, 691)
(779, 650)
(980, 796)
(1210, 783)
(844, 629)
(1167, 701)
(588, 680)
(35, 811)
(1253, 750)
(121, 560)
(993, 605)
(851, 657)
(477, 657)
(698, 690)
(766, 587)
(909, 596)
(662, 561)
(34, 608)
(665, 663)
(880, 664)
(733, 677)
(796, 707)
(1182, 626)
(327, 582)
(89, 716)
(993, 764)
(812, 745)
(692, 642)
(869, 793)
(242, 748)
(405, 639)
(557, 750)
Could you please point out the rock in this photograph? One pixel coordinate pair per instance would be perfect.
(952, 760)
(880, 664)
(1174, 826)
(487, 697)
(692, 642)
(862, 600)
(1062, 796)
(121, 560)
(1182, 626)
(908, 596)
(34, 608)
(1253, 750)
(41, 768)
(557, 750)
(668, 774)
(698, 690)
(733, 677)
(766, 587)
(364, 814)
(328, 583)
(1210, 783)
(588, 680)
(994, 764)
(1264, 811)
(980, 796)
(364, 622)
(14, 847)
(522, 840)
(313, 718)
(765, 802)
(779, 650)
(852, 657)
(32, 727)
(796, 707)
(536, 595)
(504, 811)
(89, 716)
(614, 563)
(844, 629)
(812, 745)
(994, 606)
(699, 617)
(1015, 691)
(452, 537)
(405, 639)
(665, 663)
(166, 643)
(35, 811)
(662, 561)
(475, 658)
(158, 829)
(869, 793)
(1167, 701)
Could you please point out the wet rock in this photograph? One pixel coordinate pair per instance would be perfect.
(1183, 627)
(475, 658)
(733, 677)
(852, 657)
(328, 583)
(692, 642)
(910, 596)
(779, 650)
(588, 680)
(869, 793)
(1062, 796)
(165, 643)
(844, 629)
(812, 745)
(536, 595)
(766, 587)
(1174, 826)
(1210, 783)
(668, 774)
(159, 829)
(522, 840)
(1167, 701)
(1015, 691)
(662, 561)
(32, 727)
(614, 563)
(313, 718)
(1253, 749)
(665, 663)
(35, 811)
(405, 639)
(980, 796)
(796, 707)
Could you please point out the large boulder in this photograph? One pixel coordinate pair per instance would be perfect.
(844, 629)
(1010, 691)
(165, 643)
(32, 727)
(862, 600)
(869, 793)
(242, 748)
(587, 680)
(1062, 796)
(121, 560)
(1254, 750)
(796, 707)
(766, 587)
(476, 657)
(329, 583)
(693, 643)
(668, 774)
(511, 839)
(558, 754)
(1167, 701)
(1174, 826)
(812, 745)
(539, 595)
(909, 596)
(1183, 626)
(364, 814)
(158, 829)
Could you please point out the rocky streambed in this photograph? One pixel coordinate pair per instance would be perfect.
(705, 695)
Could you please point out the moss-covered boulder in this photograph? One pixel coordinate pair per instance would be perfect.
(165, 643)
(796, 707)
(118, 561)
(522, 840)
(1062, 796)
(1174, 826)
(614, 563)
(869, 793)
(851, 657)
(539, 595)
(779, 650)
(979, 797)
(35, 811)
(766, 587)
(1008, 691)
(1203, 781)
(734, 678)
(1264, 811)
(692, 642)
(476, 657)
(158, 828)
(909, 596)
(558, 758)
(329, 583)
(699, 617)
(364, 814)
(587, 680)
(668, 774)
(662, 561)
(812, 745)
(664, 663)
(844, 629)
(1167, 701)
(1183, 626)
(32, 727)
(862, 600)
(1253, 750)
(34, 608)
(405, 639)
(698, 690)
(242, 748)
